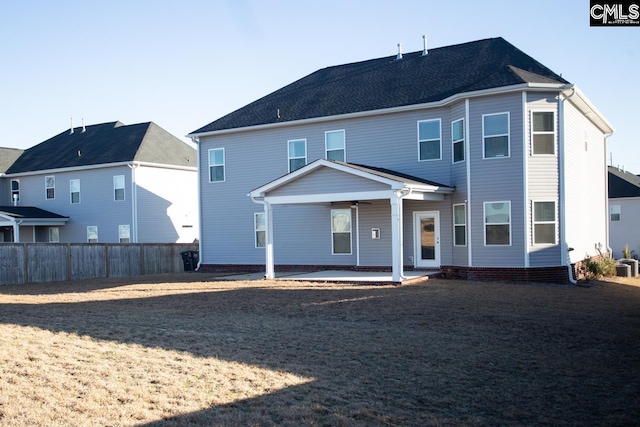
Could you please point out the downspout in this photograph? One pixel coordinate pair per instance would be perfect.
(606, 193)
(525, 169)
(356, 207)
(564, 250)
(16, 230)
(399, 257)
(134, 202)
(467, 156)
(196, 141)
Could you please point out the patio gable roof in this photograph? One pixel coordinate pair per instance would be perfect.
(325, 181)
(26, 216)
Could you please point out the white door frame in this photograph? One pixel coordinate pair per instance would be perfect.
(417, 250)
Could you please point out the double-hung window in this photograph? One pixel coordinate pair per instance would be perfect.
(260, 228)
(457, 139)
(15, 190)
(335, 145)
(92, 234)
(615, 212)
(460, 225)
(216, 165)
(297, 153)
(74, 190)
(50, 187)
(495, 134)
(544, 223)
(543, 135)
(118, 187)
(341, 231)
(497, 223)
(124, 233)
(429, 138)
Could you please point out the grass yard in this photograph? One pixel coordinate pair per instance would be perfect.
(187, 350)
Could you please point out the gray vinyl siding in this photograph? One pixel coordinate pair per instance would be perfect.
(585, 173)
(497, 180)
(375, 252)
(627, 230)
(543, 182)
(459, 254)
(328, 181)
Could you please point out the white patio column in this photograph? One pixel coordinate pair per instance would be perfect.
(268, 219)
(16, 231)
(396, 238)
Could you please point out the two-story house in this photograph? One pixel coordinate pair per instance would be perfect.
(624, 212)
(473, 158)
(108, 183)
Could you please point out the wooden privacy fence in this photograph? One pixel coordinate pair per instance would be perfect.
(22, 263)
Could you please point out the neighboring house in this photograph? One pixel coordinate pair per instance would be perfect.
(473, 158)
(624, 211)
(108, 183)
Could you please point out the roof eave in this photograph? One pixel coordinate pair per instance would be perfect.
(583, 104)
(533, 87)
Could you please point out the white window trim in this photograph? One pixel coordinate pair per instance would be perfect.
(484, 220)
(619, 213)
(344, 142)
(120, 228)
(97, 235)
(554, 133)
(46, 188)
(289, 158)
(333, 251)
(116, 188)
(427, 140)
(508, 135)
(460, 225)
(255, 229)
(12, 191)
(71, 192)
(534, 222)
(224, 164)
(457, 141)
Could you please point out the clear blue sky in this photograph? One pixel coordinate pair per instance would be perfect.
(183, 64)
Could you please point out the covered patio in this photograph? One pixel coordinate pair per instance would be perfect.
(13, 218)
(325, 181)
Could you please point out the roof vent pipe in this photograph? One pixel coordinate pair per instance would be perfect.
(83, 128)
(71, 126)
(424, 41)
(399, 55)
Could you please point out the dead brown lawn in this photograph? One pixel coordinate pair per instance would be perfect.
(189, 350)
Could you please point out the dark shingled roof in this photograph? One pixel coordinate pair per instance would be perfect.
(7, 157)
(106, 143)
(623, 184)
(28, 212)
(386, 83)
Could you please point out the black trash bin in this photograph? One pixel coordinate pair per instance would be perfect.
(187, 260)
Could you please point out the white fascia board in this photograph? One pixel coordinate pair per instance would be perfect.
(260, 191)
(329, 197)
(533, 87)
(425, 196)
(99, 166)
(580, 101)
(44, 221)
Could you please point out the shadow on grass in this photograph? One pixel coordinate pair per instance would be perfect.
(442, 353)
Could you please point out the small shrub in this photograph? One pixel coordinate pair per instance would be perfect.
(598, 268)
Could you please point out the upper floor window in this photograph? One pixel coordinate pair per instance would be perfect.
(341, 231)
(429, 135)
(544, 223)
(118, 187)
(497, 223)
(15, 190)
(335, 145)
(457, 138)
(50, 187)
(495, 133)
(297, 153)
(543, 135)
(460, 225)
(216, 165)
(92, 234)
(615, 212)
(260, 228)
(74, 189)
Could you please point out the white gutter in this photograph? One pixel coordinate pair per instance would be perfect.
(532, 87)
(196, 141)
(564, 250)
(99, 166)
